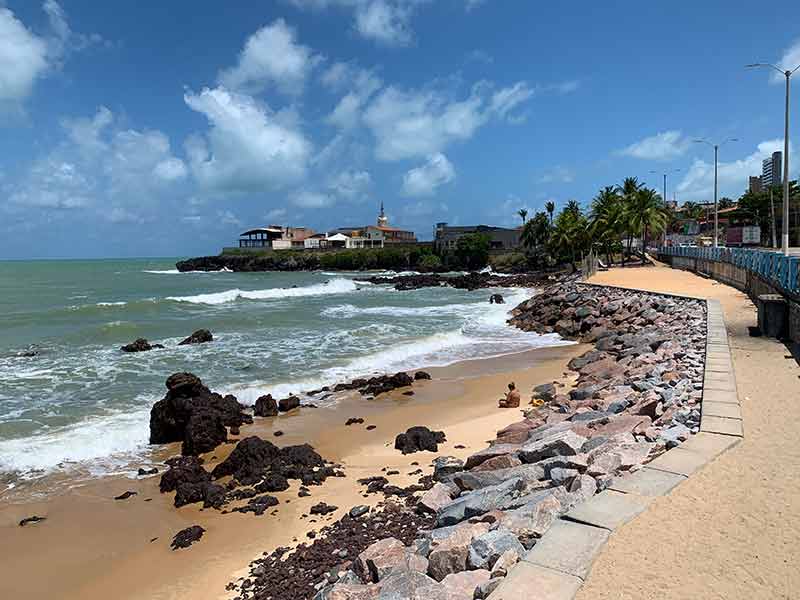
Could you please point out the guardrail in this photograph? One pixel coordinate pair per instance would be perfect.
(781, 271)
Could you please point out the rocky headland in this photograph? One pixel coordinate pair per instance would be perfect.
(455, 535)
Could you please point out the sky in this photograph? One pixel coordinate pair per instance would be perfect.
(165, 129)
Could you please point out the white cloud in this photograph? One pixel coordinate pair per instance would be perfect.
(100, 167)
(226, 217)
(23, 58)
(425, 209)
(351, 184)
(271, 55)
(426, 179)
(473, 4)
(557, 174)
(26, 57)
(276, 214)
(480, 56)
(387, 22)
(361, 85)
(413, 124)
(249, 147)
(311, 199)
(507, 99)
(698, 183)
(790, 60)
(662, 146)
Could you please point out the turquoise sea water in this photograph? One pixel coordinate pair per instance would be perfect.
(82, 402)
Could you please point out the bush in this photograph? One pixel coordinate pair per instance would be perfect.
(513, 262)
(429, 262)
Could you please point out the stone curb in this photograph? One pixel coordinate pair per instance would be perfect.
(556, 567)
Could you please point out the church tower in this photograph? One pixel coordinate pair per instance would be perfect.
(383, 220)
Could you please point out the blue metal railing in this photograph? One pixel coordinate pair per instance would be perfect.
(782, 271)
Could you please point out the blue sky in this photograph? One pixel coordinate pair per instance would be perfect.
(164, 129)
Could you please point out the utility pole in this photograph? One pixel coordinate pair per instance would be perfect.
(772, 212)
(716, 156)
(787, 73)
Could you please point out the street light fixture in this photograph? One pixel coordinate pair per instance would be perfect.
(716, 211)
(787, 74)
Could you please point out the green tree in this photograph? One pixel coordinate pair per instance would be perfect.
(550, 207)
(725, 202)
(647, 215)
(535, 238)
(570, 235)
(607, 220)
(472, 250)
(523, 214)
(628, 190)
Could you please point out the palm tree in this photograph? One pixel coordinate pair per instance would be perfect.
(550, 207)
(628, 190)
(647, 214)
(607, 219)
(523, 214)
(570, 233)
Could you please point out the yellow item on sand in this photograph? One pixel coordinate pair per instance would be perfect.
(537, 402)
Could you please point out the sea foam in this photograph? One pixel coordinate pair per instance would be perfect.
(335, 286)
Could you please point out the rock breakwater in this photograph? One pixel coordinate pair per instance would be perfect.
(633, 395)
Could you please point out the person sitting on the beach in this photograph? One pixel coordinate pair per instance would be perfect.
(512, 397)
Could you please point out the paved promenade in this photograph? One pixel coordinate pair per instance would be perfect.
(731, 530)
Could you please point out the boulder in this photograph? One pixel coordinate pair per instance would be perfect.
(565, 443)
(203, 432)
(491, 452)
(446, 465)
(265, 406)
(434, 499)
(201, 336)
(503, 564)
(385, 556)
(287, 404)
(449, 547)
(411, 585)
(462, 586)
(186, 469)
(186, 537)
(417, 439)
(187, 396)
(545, 391)
(421, 375)
(530, 521)
(210, 494)
(475, 480)
(486, 549)
(478, 502)
(139, 345)
(504, 461)
(485, 590)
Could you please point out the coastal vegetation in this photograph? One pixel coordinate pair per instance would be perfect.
(617, 216)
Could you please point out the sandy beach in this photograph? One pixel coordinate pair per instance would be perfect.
(92, 546)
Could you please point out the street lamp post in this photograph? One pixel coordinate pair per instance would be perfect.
(716, 210)
(785, 225)
(664, 197)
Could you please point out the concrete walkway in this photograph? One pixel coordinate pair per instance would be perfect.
(730, 531)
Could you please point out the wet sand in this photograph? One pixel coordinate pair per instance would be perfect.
(93, 547)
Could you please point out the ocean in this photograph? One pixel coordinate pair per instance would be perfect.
(82, 404)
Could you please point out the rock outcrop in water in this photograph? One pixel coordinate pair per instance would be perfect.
(140, 345)
(469, 281)
(192, 414)
(201, 336)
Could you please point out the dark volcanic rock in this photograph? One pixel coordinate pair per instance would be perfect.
(186, 469)
(210, 494)
(203, 432)
(259, 505)
(420, 375)
(253, 459)
(186, 537)
(419, 438)
(354, 421)
(31, 519)
(201, 336)
(186, 398)
(125, 495)
(265, 406)
(323, 509)
(287, 404)
(141, 472)
(140, 345)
